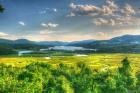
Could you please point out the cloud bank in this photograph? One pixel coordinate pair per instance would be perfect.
(49, 25)
(108, 14)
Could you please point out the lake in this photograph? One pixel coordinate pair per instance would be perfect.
(67, 48)
(25, 52)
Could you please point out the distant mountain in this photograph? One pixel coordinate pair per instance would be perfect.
(5, 41)
(59, 43)
(121, 40)
(52, 43)
(23, 41)
(18, 41)
(81, 42)
(121, 44)
(126, 39)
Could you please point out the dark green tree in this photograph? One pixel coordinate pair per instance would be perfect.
(1, 8)
(127, 76)
(126, 68)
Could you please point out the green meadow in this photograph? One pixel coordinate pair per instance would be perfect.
(97, 61)
(93, 73)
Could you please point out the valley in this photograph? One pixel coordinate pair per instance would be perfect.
(89, 66)
(122, 44)
(69, 46)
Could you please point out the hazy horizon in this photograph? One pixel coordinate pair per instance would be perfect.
(69, 41)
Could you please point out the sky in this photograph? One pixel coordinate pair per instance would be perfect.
(69, 20)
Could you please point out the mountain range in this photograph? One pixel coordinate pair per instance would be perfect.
(121, 44)
(121, 40)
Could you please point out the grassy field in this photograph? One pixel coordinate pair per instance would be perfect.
(94, 73)
(96, 61)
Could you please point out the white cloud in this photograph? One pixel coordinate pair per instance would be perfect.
(123, 16)
(102, 36)
(22, 23)
(45, 32)
(101, 33)
(44, 24)
(102, 21)
(71, 14)
(73, 6)
(49, 25)
(43, 12)
(55, 10)
(110, 8)
(80, 10)
(128, 10)
(126, 31)
(124, 20)
(46, 10)
(3, 34)
(108, 14)
(91, 10)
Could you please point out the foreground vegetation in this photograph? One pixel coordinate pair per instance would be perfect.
(45, 77)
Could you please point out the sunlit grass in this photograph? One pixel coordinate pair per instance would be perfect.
(96, 61)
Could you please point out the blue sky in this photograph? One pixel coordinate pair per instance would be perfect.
(69, 20)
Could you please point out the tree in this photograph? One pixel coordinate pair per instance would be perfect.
(6, 50)
(1, 9)
(127, 74)
(126, 68)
